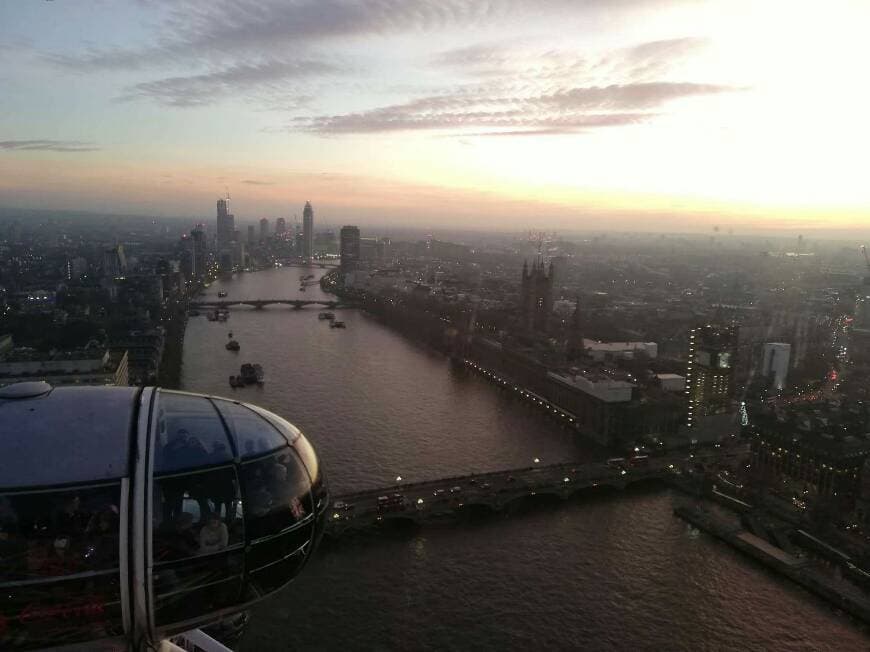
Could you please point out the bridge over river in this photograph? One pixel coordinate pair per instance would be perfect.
(262, 303)
(492, 491)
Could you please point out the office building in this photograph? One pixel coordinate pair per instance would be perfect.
(225, 225)
(775, 363)
(280, 226)
(114, 262)
(196, 259)
(252, 235)
(307, 231)
(710, 371)
(350, 249)
(264, 229)
(92, 365)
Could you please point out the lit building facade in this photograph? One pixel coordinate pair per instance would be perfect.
(710, 371)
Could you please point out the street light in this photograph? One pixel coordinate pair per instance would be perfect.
(536, 461)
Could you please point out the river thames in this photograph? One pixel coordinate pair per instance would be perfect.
(615, 571)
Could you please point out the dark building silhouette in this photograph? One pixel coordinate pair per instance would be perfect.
(350, 248)
(307, 231)
(536, 296)
(225, 224)
(197, 253)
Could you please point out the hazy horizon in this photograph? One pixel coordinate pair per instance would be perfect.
(648, 115)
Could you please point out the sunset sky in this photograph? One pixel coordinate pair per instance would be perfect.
(566, 114)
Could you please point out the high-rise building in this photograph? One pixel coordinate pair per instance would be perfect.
(536, 297)
(114, 262)
(775, 363)
(307, 231)
(264, 229)
(197, 240)
(350, 239)
(280, 226)
(225, 225)
(710, 371)
(252, 236)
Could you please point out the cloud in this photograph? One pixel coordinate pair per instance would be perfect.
(636, 96)
(256, 182)
(48, 146)
(269, 76)
(654, 59)
(568, 110)
(215, 28)
(474, 56)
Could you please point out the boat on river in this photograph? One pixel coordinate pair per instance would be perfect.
(252, 373)
(233, 345)
(326, 315)
(337, 324)
(236, 381)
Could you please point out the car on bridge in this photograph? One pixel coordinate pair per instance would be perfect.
(391, 503)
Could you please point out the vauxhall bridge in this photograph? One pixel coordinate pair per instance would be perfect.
(493, 491)
(259, 304)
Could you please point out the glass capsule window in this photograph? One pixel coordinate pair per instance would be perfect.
(254, 435)
(190, 434)
(59, 560)
(305, 451)
(198, 541)
(278, 493)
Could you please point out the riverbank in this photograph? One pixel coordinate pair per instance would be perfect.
(801, 570)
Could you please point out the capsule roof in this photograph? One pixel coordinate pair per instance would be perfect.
(66, 435)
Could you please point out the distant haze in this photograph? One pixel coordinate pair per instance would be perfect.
(652, 115)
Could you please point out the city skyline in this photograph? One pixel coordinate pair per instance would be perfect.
(658, 116)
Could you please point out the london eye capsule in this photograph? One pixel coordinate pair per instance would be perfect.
(129, 515)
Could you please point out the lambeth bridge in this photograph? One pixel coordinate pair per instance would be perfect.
(493, 492)
(259, 304)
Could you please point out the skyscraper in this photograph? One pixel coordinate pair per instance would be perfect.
(536, 296)
(197, 239)
(776, 362)
(264, 229)
(225, 225)
(251, 234)
(710, 371)
(114, 262)
(280, 226)
(307, 231)
(350, 242)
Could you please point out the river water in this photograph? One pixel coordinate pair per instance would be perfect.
(604, 572)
